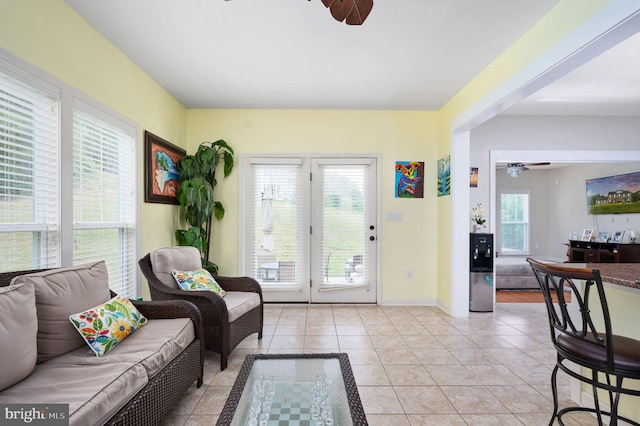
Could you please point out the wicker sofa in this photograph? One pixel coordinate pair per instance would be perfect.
(137, 382)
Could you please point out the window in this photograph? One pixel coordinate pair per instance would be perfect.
(29, 176)
(103, 197)
(67, 180)
(514, 223)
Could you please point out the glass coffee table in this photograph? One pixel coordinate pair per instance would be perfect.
(295, 390)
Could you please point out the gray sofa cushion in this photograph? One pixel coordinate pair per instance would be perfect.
(18, 332)
(156, 344)
(94, 391)
(60, 293)
(515, 273)
(152, 346)
(514, 269)
(181, 258)
(240, 302)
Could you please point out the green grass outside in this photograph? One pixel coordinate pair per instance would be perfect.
(619, 208)
(344, 234)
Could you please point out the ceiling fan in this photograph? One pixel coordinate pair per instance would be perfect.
(353, 12)
(514, 169)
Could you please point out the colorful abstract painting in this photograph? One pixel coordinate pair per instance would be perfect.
(409, 179)
(160, 173)
(444, 176)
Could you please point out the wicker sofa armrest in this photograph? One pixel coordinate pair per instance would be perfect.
(169, 309)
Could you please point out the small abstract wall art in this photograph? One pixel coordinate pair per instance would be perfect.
(444, 176)
(409, 179)
(473, 177)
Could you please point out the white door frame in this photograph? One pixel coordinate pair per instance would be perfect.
(342, 292)
(243, 210)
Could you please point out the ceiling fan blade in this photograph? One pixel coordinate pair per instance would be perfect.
(538, 164)
(340, 9)
(360, 12)
(353, 11)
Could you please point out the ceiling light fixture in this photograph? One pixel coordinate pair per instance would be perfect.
(514, 169)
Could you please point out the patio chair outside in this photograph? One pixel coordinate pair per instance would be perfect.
(351, 266)
(268, 266)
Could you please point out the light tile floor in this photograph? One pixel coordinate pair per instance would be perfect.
(413, 365)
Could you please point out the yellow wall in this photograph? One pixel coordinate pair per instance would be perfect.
(52, 37)
(556, 25)
(393, 135)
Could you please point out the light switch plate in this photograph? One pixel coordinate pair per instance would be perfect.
(394, 217)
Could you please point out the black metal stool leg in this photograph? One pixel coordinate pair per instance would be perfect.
(614, 402)
(596, 400)
(554, 389)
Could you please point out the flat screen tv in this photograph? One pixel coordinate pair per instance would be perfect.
(614, 194)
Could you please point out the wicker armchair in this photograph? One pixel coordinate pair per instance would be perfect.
(227, 321)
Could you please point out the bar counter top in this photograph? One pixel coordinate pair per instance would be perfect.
(624, 274)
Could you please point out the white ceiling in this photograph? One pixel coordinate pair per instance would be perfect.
(408, 54)
(291, 54)
(607, 85)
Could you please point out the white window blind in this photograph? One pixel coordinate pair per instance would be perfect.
(29, 176)
(341, 228)
(277, 252)
(104, 197)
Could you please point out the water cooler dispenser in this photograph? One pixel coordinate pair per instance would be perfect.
(481, 273)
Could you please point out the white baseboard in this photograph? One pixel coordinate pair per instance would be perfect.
(409, 302)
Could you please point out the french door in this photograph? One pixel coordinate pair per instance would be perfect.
(310, 228)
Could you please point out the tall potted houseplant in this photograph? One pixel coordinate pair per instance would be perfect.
(197, 176)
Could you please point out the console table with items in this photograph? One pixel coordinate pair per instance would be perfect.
(596, 252)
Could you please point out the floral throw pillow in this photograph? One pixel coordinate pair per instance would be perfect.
(197, 280)
(106, 325)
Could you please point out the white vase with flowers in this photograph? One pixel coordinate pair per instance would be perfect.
(478, 218)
